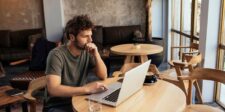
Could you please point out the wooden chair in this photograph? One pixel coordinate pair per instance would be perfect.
(193, 49)
(183, 69)
(34, 85)
(202, 74)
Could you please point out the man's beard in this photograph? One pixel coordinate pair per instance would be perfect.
(80, 47)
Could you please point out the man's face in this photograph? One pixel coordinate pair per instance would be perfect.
(83, 38)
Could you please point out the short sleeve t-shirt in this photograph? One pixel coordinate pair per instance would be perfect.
(73, 71)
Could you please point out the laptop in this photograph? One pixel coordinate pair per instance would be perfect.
(120, 91)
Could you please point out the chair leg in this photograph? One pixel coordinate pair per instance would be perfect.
(199, 94)
(24, 107)
(8, 108)
(182, 86)
(178, 84)
(189, 97)
(33, 106)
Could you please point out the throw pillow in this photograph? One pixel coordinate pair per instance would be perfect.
(138, 36)
(32, 39)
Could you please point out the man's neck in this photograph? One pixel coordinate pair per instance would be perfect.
(73, 50)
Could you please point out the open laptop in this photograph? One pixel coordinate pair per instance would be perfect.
(119, 91)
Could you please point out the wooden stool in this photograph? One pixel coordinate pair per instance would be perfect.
(6, 100)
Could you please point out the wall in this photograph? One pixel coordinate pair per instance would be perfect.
(21, 14)
(108, 12)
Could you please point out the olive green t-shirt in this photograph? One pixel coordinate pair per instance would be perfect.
(73, 71)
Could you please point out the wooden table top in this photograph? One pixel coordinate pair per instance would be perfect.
(5, 99)
(139, 49)
(159, 97)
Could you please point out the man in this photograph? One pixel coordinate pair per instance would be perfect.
(68, 66)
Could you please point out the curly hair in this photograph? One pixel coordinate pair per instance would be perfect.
(78, 24)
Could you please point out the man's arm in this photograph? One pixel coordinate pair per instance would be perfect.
(100, 68)
(56, 89)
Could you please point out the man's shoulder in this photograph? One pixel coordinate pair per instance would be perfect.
(58, 50)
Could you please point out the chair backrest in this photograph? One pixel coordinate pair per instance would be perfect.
(34, 85)
(183, 50)
(193, 61)
(193, 49)
(207, 74)
(194, 46)
(203, 74)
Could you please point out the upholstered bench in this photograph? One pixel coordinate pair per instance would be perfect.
(22, 80)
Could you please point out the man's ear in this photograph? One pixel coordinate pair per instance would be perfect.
(71, 37)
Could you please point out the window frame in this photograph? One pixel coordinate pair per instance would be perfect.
(183, 35)
(221, 51)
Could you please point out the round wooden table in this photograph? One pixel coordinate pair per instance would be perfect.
(159, 97)
(131, 50)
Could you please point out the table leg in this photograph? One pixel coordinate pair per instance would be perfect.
(24, 107)
(7, 108)
(144, 58)
(129, 59)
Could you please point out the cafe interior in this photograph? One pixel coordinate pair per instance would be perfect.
(184, 39)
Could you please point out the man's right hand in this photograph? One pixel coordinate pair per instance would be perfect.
(95, 87)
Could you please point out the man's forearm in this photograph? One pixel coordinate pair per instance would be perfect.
(65, 91)
(101, 70)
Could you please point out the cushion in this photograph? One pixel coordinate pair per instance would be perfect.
(32, 39)
(4, 38)
(39, 54)
(138, 36)
(19, 39)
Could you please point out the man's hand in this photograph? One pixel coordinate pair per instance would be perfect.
(91, 48)
(95, 87)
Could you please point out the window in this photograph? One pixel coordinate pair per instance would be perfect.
(198, 13)
(185, 22)
(220, 97)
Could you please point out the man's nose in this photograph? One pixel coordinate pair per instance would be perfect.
(90, 39)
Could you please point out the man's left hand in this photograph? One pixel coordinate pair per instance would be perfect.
(91, 48)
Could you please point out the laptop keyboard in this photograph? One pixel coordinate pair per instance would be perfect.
(113, 96)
